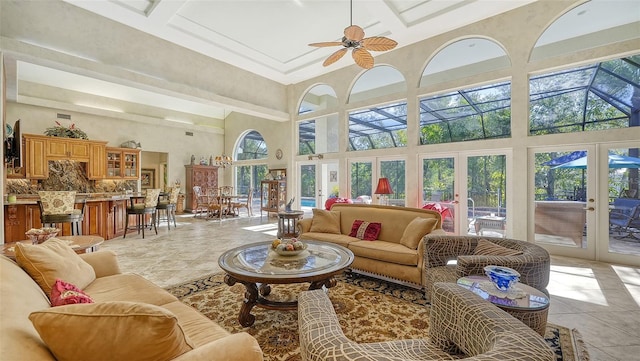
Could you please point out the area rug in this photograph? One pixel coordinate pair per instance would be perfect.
(369, 310)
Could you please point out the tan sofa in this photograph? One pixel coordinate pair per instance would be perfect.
(461, 326)
(387, 257)
(21, 296)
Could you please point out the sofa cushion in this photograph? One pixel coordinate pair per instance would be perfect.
(416, 229)
(325, 221)
(488, 248)
(340, 239)
(385, 251)
(52, 260)
(128, 287)
(64, 293)
(367, 231)
(111, 331)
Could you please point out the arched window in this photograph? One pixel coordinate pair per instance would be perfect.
(382, 126)
(251, 146)
(320, 97)
(480, 112)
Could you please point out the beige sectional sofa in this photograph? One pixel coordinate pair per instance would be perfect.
(461, 326)
(131, 319)
(398, 252)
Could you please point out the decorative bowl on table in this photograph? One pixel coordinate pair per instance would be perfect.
(289, 247)
(39, 235)
(502, 277)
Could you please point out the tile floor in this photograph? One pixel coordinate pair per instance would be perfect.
(601, 300)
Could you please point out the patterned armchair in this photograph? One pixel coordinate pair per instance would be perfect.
(533, 262)
(461, 326)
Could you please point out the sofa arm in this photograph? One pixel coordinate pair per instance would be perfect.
(304, 225)
(440, 249)
(461, 321)
(104, 263)
(236, 347)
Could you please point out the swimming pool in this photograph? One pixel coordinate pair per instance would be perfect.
(307, 202)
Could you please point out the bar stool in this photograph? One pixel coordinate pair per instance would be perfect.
(169, 207)
(141, 210)
(59, 207)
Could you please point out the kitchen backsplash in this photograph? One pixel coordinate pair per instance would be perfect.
(67, 175)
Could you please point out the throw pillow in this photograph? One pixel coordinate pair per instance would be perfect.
(51, 260)
(368, 231)
(488, 248)
(416, 229)
(325, 221)
(111, 331)
(64, 293)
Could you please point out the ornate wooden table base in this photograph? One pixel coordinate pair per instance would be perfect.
(255, 296)
(257, 266)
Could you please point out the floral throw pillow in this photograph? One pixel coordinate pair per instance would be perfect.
(64, 293)
(368, 231)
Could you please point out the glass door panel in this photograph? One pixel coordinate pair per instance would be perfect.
(307, 191)
(560, 198)
(623, 216)
(438, 189)
(394, 170)
(361, 181)
(486, 195)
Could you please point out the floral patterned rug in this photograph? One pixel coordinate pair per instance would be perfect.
(370, 310)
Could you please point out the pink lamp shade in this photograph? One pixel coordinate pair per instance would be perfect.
(383, 186)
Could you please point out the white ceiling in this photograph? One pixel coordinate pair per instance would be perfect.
(270, 37)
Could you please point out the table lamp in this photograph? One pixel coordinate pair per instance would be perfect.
(384, 188)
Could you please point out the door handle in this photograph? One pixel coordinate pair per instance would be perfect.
(589, 209)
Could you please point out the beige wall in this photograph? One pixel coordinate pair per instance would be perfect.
(153, 137)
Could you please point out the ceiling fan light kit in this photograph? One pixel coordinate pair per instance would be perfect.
(354, 39)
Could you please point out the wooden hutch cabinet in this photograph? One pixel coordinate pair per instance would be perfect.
(205, 176)
(123, 163)
(273, 193)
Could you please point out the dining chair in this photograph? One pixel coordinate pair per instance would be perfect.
(167, 203)
(216, 207)
(141, 207)
(59, 207)
(202, 201)
(246, 204)
(226, 190)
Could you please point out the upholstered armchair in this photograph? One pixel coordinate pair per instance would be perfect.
(472, 253)
(461, 325)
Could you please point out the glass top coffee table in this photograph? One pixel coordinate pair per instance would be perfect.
(256, 266)
(531, 307)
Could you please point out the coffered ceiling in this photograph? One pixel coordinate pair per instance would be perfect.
(270, 37)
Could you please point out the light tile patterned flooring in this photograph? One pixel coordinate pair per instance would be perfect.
(601, 300)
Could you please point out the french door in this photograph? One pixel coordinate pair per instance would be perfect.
(469, 189)
(318, 180)
(574, 193)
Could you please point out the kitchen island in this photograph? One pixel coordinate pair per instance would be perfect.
(104, 216)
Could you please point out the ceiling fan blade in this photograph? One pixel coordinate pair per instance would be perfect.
(334, 57)
(379, 43)
(363, 58)
(354, 32)
(326, 43)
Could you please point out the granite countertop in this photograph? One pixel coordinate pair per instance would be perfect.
(90, 197)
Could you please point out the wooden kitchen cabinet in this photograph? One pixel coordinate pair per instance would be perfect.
(122, 163)
(40, 149)
(97, 163)
(35, 161)
(67, 148)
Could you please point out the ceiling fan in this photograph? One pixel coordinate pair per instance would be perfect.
(354, 38)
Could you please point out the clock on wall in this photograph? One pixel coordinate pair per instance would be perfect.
(279, 154)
